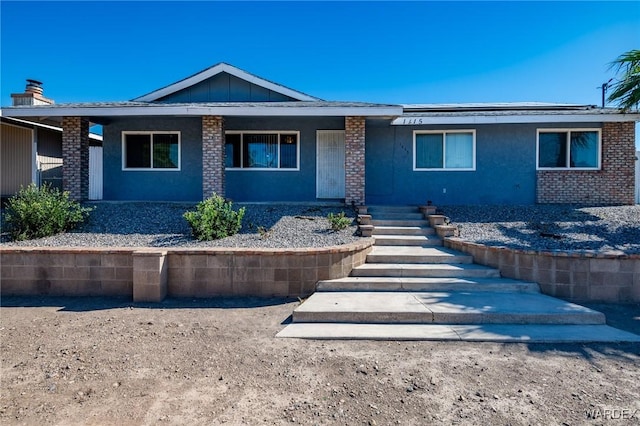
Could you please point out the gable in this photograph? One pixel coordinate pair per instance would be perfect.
(224, 83)
(225, 87)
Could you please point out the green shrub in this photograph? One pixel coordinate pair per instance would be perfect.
(214, 218)
(338, 221)
(41, 212)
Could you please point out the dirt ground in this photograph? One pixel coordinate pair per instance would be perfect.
(104, 361)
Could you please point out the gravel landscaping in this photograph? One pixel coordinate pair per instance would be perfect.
(539, 227)
(138, 224)
(550, 227)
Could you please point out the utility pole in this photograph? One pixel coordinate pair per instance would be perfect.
(604, 88)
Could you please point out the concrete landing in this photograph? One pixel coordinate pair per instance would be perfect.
(442, 308)
(410, 254)
(407, 240)
(403, 230)
(426, 270)
(427, 284)
(471, 333)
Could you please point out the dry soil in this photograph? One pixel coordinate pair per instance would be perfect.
(112, 362)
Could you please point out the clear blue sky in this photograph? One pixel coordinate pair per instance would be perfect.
(413, 52)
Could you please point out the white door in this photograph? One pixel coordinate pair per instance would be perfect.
(330, 164)
(95, 173)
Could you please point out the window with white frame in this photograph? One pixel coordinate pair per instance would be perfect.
(262, 150)
(569, 149)
(444, 150)
(151, 150)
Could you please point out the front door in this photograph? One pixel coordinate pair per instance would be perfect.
(330, 159)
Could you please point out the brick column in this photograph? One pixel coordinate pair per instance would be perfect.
(75, 157)
(354, 160)
(612, 184)
(213, 161)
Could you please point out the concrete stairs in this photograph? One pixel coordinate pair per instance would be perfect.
(413, 288)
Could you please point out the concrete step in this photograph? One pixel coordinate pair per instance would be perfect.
(427, 284)
(403, 230)
(393, 209)
(399, 222)
(442, 308)
(424, 270)
(396, 216)
(407, 240)
(504, 333)
(412, 254)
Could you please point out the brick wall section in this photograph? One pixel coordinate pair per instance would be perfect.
(575, 276)
(75, 157)
(148, 274)
(613, 184)
(354, 160)
(213, 161)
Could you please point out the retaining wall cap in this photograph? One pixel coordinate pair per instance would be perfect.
(149, 252)
(364, 243)
(357, 245)
(611, 254)
(70, 250)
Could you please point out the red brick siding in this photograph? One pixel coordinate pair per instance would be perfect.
(354, 160)
(213, 169)
(75, 157)
(612, 184)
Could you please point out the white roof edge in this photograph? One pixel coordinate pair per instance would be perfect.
(217, 69)
(195, 110)
(94, 136)
(482, 105)
(514, 119)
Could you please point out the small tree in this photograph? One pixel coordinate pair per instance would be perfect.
(626, 92)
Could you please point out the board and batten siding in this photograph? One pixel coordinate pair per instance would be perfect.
(17, 158)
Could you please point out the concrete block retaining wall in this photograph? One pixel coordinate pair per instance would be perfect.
(575, 276)
(150, 274)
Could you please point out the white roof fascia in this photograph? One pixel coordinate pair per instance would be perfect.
(194, 110)
(514, 119)
(493, 105)
(93, 136)
(217, 69)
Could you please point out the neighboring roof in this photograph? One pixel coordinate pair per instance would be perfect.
(33, 124)
(295, 108)
(504, 113)
(229, 69)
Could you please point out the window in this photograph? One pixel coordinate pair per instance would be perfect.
(569, 149)
(151, 150)
(262, 150)
(444, 150)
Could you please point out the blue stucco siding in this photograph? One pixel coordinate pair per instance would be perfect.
(390, 178)
(225, 87)
(186, 184)
(273, 185)
(183, 185)
(505, 166)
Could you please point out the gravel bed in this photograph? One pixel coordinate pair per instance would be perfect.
(134, 224)
(539, 227)
(550, 227)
